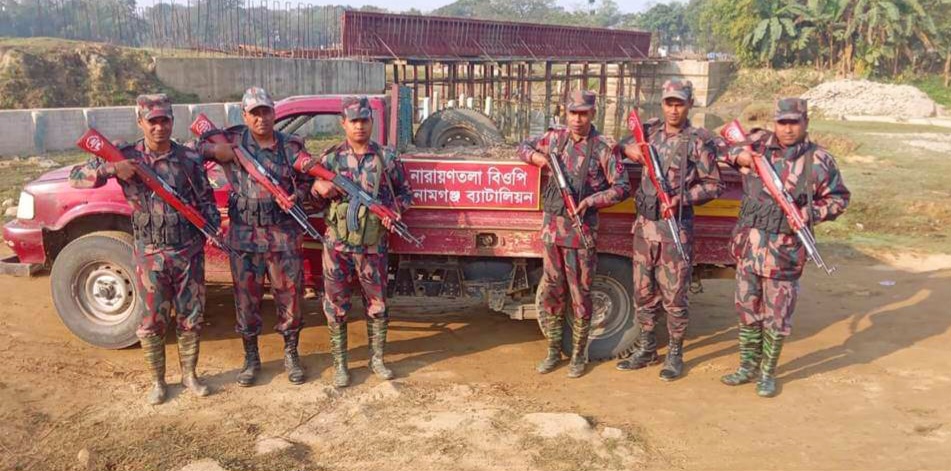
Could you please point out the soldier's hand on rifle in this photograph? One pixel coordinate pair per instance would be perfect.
(388, 222)
(674, 207)
(223, 153)
(323, 189)
(583, 206)
(633, 153)
(125, 170)
(745, 161)
(539, 159)
(291, 200)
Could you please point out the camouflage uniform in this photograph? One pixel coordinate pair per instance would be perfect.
(769, 256)
(168, 251)
(268, 239)
(595, 174)
(661, 276)
(360, 254)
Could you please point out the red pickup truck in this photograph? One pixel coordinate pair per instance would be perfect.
(488, 251)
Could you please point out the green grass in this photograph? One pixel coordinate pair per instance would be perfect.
(933, 85)
(15, 174)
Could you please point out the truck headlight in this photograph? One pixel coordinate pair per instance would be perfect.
(25, 208)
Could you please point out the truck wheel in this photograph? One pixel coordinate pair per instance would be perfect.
(94, 292)
(455, 127)
(614, 329)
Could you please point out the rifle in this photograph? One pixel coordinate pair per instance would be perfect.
(566, 193)
(734, 134)
(306, 163)
(97, 144)
(260, 174)
(655, 172)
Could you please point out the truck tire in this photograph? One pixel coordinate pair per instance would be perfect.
(614, 329)
(455, 127)
(94, 292)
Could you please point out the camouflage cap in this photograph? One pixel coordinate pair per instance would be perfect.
(792, 109)
(580, 100)
(356, 107)
(256, 97)
(153, 106)
(675, 88)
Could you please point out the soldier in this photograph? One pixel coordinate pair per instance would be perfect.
(168, 251)
(266, 236)
(598, 180)
(769, 256)
(359, 253)
(661, 276)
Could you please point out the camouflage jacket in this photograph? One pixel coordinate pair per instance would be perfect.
(606, 182)
(780, 255)
(394, 191)
(699, 183)
(181, 167)
(279, 233)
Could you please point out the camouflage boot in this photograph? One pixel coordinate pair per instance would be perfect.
(645, 355)
(153, 347)
(188, 357)
(579, 347)
(252, 362)
(772, 347)
(376, 337)
(295, 372)
(555, 332)
(338, 348)
(751, 347)
(674, 362)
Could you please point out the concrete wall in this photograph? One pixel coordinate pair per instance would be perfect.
(709, 78)
(223, 79)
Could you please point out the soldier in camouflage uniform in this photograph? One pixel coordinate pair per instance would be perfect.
(168, 251)
(661, 276)
(359, 253)
(598, 180)
(769, 256)
(268, 239)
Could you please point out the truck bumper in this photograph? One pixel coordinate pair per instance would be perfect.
(27, 244)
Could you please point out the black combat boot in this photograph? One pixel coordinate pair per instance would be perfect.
(188, 357)
(751, 348)
(338, 348)
(579, 347)
(376, 337)
(772, 347)
(555, 332)
(153, 347)
(674, 362)
(295, 372)
(252, 361)
(645, 355)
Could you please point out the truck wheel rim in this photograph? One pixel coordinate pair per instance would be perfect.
(607, 300)
(105, 293)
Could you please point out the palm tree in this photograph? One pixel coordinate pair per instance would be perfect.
(777, 27)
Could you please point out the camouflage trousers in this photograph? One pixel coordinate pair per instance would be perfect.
(661, 282)
(171, 278)
(341, 269)
(567, 273)
(283, 271)
(765, 301)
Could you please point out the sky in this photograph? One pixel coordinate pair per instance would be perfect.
(626, 6)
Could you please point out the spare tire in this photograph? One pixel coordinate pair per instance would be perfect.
(455, 127)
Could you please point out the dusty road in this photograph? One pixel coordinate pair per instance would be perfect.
(865, 382)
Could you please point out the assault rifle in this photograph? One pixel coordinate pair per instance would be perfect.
(97, 144)
(734, 134)
(310, 165)
(260, 174)
(566, 194)
(658, 179)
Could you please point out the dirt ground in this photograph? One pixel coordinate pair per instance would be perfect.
(865, 383)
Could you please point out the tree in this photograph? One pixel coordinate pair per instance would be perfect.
(668, 20)
(776, 29)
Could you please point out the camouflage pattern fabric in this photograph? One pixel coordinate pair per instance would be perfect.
(153, 106)
(568, 273)
(661, 277)
(284, 271)
(365, 170)
(171, 278)
(766, 302)
(340, 270)
(606, 182)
